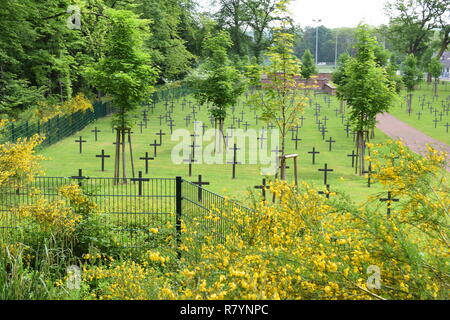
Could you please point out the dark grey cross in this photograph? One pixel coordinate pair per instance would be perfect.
(140, 180)
(342, 118)
(296, 140)
(239, 123)
(234, 163)
(190, 161)
(446, 126)
(80, 177)
(154, 145)
(325, 119)
(262, 138)
(200, 184)
(193, 146)
(313, 152)
(323, 130)
(276, 151)
(292, 130)
(270, 126)
(302, 119)
(146, 159)
(188, 120)
(140, 124)
(103, 156)
(347, 129)
(419, 114)
(242, 115)
(263, 187)
(204, 126)
(226, 139)
(160, 119)
(369, 175)
(96, 131)
(256, 119)
(246, 125)
(81, 141)
(160, 134)
(389, 201)
(435, 123)
(326, 193)
(330, 141)
(171, 125)
(325, 171)
(354, 156)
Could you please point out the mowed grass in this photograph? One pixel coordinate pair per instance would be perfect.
(65, 159)
(424, 103)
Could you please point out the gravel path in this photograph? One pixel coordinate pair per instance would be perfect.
(413, 138)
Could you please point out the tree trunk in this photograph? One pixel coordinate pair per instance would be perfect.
(360, 147)
(131, 153)
(341, 106)
(436, 83)
(410, 102)
(124, 169)
(117, 158)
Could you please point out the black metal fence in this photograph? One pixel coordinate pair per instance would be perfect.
(60, 127)
(134, 206)
(57, 128)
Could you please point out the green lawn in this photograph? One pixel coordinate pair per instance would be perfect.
(426, 124)
(65, 160)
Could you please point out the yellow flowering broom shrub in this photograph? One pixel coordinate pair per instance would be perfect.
(308, 247)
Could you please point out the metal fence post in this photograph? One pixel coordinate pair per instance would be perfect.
(178, 211)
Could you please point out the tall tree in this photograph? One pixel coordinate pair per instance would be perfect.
(168, 49)
(280, 99)
(411, 76)
(308, 66)
(435, 70)
(217, 81)
(124, 74)
(233, 14)
(260, 16)
(367, 89)
(412, 23)
(339, 78)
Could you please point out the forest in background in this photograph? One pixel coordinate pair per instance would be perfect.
(43, 62)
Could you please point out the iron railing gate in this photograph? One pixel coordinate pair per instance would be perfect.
(132, 208)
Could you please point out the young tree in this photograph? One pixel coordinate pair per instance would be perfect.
(411, 77)
(217, 81)
(124, 74)
(339, 78)
(367, 89)
(435, 70)
(308, 66)
(281, 101)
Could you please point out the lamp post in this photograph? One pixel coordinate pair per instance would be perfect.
(317, 37)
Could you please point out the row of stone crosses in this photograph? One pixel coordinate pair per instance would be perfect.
(437, 109)
(238, 120)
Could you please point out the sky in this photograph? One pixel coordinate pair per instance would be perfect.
(333, 13)
(339, 13)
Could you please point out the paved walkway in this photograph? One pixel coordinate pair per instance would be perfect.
(413, 138)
